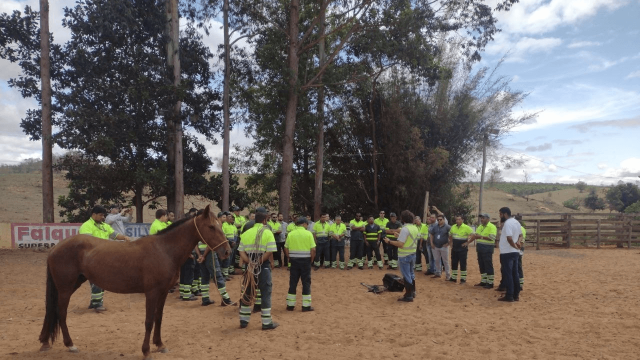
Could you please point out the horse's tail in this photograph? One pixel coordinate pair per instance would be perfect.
(51, 325)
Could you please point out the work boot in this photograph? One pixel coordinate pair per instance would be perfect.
(291, 308)
(483, 284)
(207, 302)
(243, 324)
(100, 308)
(462, 281)
(488, 286)
(226, 302)
(307, 308)
(271, 326)
(452, 280)
(190, 298)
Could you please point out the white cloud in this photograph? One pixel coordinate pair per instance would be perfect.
(553, 168)
(580, 44)
(594, 103)
(540, 16)
(602, 166)
(635, 74)
(628, 169)
(518, 48)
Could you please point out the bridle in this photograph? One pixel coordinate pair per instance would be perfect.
(202, 238)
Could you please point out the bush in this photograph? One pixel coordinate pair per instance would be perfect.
(581, 185)
(593, 202)
(573, 203)
(633, 208)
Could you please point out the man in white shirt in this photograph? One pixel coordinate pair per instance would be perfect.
(509, 254)
(116, 218)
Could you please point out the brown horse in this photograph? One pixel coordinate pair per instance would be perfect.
(148, 265)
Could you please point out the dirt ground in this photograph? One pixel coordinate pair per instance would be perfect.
(576, 304)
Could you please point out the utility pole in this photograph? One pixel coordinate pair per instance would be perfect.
(47, 146)
(175, 120)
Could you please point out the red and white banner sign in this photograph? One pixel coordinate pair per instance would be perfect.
(40, 235)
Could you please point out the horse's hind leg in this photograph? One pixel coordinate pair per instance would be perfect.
(63, 305)
(151, 304)
(157, 339)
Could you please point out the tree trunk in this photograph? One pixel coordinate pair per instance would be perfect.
(173, 61)
(375, 143)
(139, 205)
(484, 166)
(225, 105)
(47, 146)
(290, 115)
(317, 198)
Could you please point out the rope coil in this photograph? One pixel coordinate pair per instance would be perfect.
(254, 268)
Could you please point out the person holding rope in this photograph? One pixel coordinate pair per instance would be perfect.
(96, 227)
(210, 269)
(256, 248)
(300, 248)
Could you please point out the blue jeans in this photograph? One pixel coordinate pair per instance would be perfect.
(406, 264)
(510, 274)
(428, 252)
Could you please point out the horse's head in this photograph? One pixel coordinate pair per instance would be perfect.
(212, 234)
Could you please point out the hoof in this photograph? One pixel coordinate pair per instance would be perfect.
(73, 349)
(162, 350)
(45, 347)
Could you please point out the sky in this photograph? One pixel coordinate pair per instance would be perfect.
(579, 60)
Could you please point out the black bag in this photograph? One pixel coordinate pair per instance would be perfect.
(393, 282)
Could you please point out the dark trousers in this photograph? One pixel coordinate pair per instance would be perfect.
(279, 255)
(393, 254)
(355, 251)
(459, 257)
(373, 248)
(300, 270)
(186, 277)
(509, 263)
(337, 250)
(485, 261)
(187, 272)
(322, 249)
(520, 272)
(264, 285)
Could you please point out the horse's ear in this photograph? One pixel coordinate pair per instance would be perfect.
(206, 211)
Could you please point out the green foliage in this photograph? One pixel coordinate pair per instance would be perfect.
(623, 195)
(581, 185)
(111, 86)
(633, 209)
(593, 202)
(573, 203)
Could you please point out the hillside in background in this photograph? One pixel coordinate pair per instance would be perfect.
(22, 197)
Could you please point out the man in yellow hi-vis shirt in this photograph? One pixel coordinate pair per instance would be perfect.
(300, 247)
(96, 227)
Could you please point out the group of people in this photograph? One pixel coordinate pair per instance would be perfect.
(263, 241)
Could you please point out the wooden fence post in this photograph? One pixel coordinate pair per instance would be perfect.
(630, 231)
(538, 234)
(598, 238)
(569, 231)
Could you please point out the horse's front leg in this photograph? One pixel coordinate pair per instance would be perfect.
(151, 303)
(157, 338)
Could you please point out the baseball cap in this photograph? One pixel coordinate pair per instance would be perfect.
(485, 215)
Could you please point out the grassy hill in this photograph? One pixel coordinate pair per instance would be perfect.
(22, 197)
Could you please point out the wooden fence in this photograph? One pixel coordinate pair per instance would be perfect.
(587, 229)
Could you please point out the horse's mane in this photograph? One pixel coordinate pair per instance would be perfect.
(174, 225)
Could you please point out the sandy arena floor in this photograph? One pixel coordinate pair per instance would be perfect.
(577, 304)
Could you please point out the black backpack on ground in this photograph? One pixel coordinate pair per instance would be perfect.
(393, 282)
